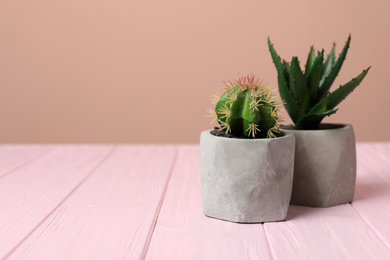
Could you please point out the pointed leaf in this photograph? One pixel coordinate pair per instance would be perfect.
(342, 92)
(278, 63)
(329, 62)
(298, 85)
(310, 59)
(287, 66)
(290, 103)
(328, 80)
(334, 98)
(314, 77)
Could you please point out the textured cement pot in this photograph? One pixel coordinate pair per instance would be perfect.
(246, 180)
(325, 165)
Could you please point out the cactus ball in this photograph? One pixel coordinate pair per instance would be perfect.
(247, 108)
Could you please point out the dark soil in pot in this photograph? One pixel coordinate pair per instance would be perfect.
(321, 127)
(220, 132)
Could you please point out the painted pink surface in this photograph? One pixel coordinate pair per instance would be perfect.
(13, 157)
(183, 232)
(372, 198)
(136, 202)
(30, 194)
(357, 231)
(324, 233)
(112, 215)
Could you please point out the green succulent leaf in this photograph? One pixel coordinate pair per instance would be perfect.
(328, 79)
(314, 76)
(281, 69)
(290, 103)
(306, 94)
(334, 98)
(287, 66)
(328, 64)
(310, 60)
(312, 121)
(298, 85)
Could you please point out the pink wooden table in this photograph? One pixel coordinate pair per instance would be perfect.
(144, 202)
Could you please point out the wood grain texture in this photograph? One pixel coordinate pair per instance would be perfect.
(324, 233)
(12, 157)
(372, 196)
(183, 232)
(31, 193)
(112, 215)
(87, 202)
(357, 231)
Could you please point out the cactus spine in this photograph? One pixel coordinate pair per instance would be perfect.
(247, 108)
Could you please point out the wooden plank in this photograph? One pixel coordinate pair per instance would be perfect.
(340, 232)
(112, 214)
(30, 194)
(183, 232)
(376, 149)
(372, 196)
(12, 157)
(324, 233)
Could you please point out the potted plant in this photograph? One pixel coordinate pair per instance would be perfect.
(246, 163)
(325, 156)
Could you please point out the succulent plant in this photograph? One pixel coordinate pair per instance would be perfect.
(306, 93)
(247, 108)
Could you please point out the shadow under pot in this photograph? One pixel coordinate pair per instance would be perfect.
(325, 165)
(246, 180)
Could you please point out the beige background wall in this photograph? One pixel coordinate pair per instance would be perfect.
(142, 71)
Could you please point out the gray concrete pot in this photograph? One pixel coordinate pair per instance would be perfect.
(325, 165)
(246, 180)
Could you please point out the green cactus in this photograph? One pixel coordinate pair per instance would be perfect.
(306, 94)
(247, 108)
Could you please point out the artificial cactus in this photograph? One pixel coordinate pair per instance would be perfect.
(306, 94)
(247, 108)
